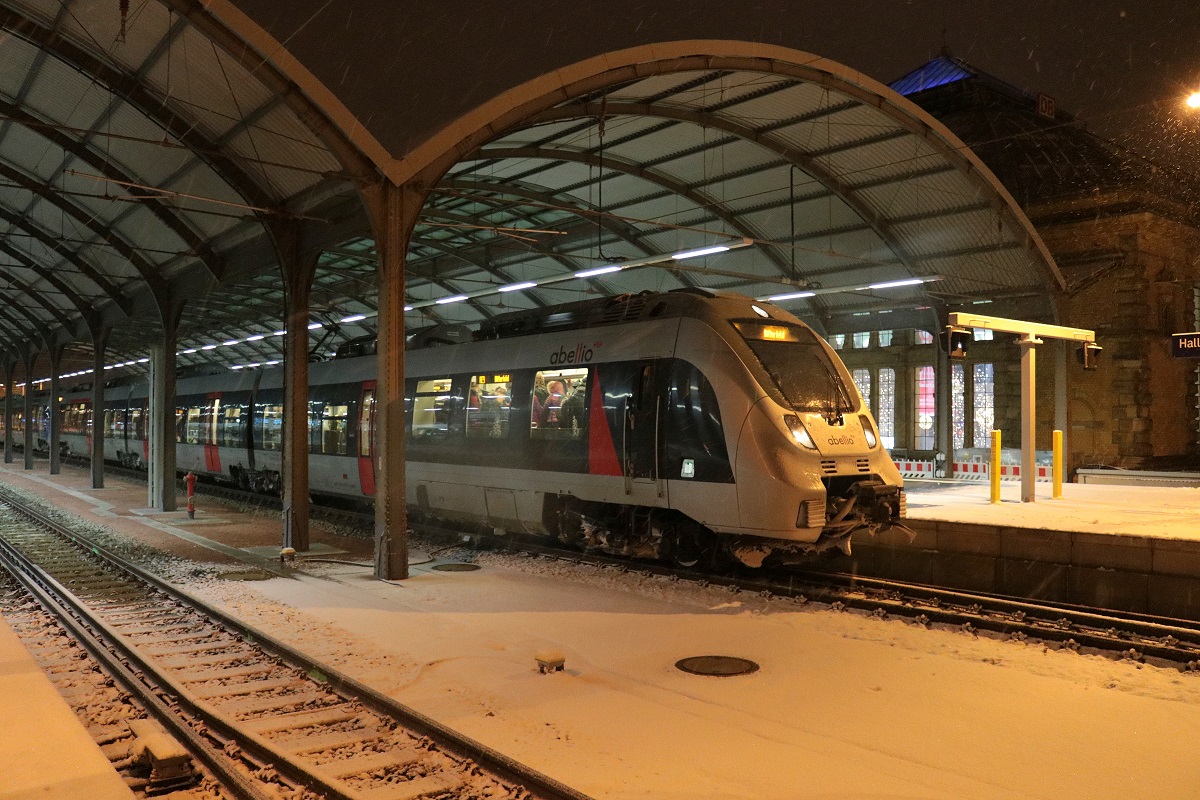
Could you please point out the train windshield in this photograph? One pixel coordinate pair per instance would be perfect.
(798, 364)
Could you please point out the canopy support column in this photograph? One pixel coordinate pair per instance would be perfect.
(99, 343)
(1029, 418)
(943, 402)
(298, 273)
(30, 435)
(1061, 421)
(55, 433)
(162, 425)
(10, 369)
(394, 209)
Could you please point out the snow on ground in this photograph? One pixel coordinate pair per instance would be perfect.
(1170, 513)
(845, 706)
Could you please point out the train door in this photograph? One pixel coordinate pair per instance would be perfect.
(366, 439)
(212, 421)
(641, 427)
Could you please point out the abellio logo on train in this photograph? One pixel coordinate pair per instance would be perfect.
(582, 354)
(841, 440)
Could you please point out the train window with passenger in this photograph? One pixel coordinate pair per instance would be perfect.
(437, 410)
(335, 429)
(489, 403)
(558, 405)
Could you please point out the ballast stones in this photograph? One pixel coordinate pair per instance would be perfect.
(717, 666)
(455, 566)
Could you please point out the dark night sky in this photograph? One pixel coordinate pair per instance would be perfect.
(406, 68)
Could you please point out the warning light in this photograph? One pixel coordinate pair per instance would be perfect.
(1088, 354)
(955, 341)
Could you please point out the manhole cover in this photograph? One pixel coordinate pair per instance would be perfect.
(247, 575)
(721, 666)
(456, 567)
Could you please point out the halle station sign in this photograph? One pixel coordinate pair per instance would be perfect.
(1185, 345)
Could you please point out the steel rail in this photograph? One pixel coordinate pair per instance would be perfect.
(504, 767)
(96, 639)
(1172, 639)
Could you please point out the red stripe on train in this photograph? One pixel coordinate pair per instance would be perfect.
(602, 453)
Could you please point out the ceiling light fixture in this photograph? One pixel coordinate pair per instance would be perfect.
(703, 251)
(591, 273)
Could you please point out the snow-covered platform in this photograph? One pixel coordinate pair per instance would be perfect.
(46, 753)
(844, 705)
(1129, 547)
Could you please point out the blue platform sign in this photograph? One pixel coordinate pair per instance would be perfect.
(1185, 345)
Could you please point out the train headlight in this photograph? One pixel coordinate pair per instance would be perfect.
(868, 431)
(798, 432)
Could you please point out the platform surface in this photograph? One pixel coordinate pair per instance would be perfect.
(44, 750)
(1149, 511)
(844, 705)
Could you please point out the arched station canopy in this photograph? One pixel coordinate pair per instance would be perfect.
(148, 156)
(832, 191)
(158, 154)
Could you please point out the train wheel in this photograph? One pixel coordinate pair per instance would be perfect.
(692, 547)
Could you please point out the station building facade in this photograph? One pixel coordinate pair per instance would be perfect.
(1125, 233)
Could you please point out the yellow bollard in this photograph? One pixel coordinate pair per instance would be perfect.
(994, 470)
(1056, 493)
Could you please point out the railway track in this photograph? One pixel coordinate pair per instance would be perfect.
(220, 685)
(1123, 634)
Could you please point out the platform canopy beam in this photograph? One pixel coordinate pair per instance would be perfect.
(1029, 333)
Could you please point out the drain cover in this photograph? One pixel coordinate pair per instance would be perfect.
(456, 567)
(248, 575)
(721, 666)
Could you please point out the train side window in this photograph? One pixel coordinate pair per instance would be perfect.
(272, 427)
(489, 403)
(559, 404)
(335, 424)
(314, 425)
(436, 408)
(646, 397)
(137, 422)
(364, 422)
(194, 426)
(233, 426)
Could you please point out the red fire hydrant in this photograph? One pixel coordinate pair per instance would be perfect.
(191, 490)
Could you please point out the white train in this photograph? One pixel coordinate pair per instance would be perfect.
(674, 425)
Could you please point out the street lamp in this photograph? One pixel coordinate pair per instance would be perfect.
(1193, 100)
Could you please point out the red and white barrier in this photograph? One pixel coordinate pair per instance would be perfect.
(978, 470)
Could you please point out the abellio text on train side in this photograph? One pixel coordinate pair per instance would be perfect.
(582, 354)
